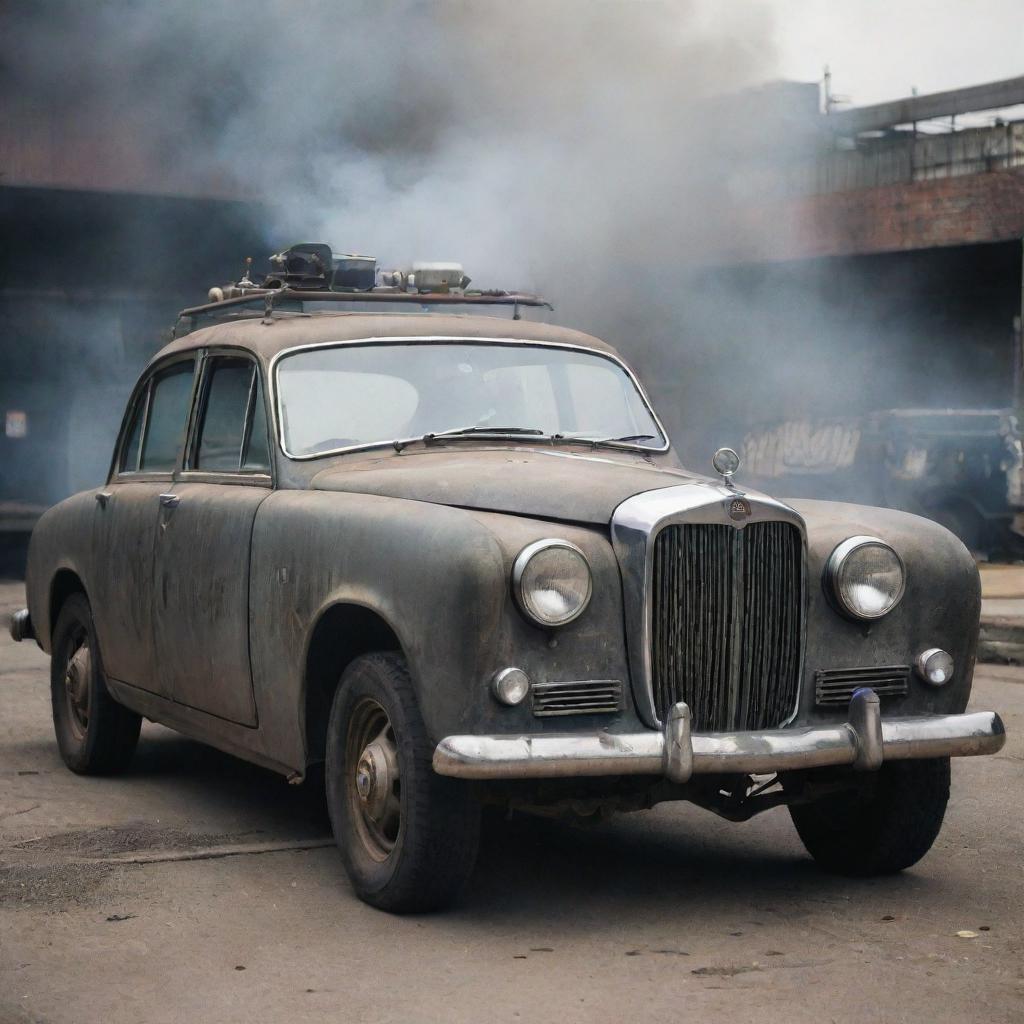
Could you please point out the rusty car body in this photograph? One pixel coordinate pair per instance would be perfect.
(550, 619)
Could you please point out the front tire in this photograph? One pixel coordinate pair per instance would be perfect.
(95, 734)
(882, 831)
(408, 837)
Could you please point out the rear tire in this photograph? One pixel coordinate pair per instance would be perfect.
(881, 832)
(95, 734)
(408, 837)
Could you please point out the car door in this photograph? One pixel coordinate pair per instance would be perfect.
(203, 543)
(127, 510)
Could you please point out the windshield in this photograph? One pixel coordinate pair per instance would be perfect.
(353, 395)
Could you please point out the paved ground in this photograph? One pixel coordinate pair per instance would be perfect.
(1002, 614)
(665, 916)
(1002, 589)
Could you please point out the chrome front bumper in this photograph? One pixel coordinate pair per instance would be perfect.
(863, 742)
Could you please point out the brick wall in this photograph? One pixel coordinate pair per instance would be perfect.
(893, 218)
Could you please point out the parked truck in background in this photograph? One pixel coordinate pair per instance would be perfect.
(959, 467)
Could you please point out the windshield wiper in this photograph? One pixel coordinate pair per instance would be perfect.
(611, 441)
(469, 432)
(594, 442)
(627, 438)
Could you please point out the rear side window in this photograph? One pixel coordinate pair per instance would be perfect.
(233, 431)
(170, 394)
(130, 454)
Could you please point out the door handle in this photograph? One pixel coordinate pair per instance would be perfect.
(169, 500)
(102, 497)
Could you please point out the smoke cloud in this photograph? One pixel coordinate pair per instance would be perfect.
(595, 151)
(518, 137)
(575, 148)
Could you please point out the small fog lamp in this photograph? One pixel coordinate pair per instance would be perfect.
(551, 581)
(510, 686)
(935, 666)
(726, 462)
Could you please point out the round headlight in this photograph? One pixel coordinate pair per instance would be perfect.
(552, 582)
(866, 577)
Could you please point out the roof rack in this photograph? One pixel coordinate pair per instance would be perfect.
(312, 272)
(273, 298)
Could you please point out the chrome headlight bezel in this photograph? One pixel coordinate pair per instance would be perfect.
(834, 582)
(519, 568)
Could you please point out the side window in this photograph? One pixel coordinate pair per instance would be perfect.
(130, 453)
(233, 431)
(171, 392)
(257, 454)
(228, 390)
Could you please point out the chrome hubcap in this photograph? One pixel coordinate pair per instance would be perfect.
(76, 685)
(374, 782)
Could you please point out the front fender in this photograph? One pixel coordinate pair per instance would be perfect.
(940, 608)
(431, 572)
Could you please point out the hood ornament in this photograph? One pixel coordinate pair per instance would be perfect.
(726, 463)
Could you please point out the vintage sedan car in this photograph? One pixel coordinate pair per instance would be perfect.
(455, 559)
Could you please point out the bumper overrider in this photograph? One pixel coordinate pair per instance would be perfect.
(863, 742)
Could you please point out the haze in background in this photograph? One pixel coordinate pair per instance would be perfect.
(560, 147)
(578, 148)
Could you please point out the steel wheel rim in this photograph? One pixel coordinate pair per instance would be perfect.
(372, 779)
(77, 690)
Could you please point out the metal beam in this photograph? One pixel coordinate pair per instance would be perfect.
(991, 96)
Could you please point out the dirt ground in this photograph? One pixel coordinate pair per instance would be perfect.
(198, 888)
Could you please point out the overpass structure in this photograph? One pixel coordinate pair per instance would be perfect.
(912, 174)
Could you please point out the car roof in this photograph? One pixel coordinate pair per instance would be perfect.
(289, 330)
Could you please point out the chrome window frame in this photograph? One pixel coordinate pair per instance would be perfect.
(143, 392)
(186, 473)
(437, 339)
(635, 526)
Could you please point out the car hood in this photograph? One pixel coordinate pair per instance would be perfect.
(583, 488)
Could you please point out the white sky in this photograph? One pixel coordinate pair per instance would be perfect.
(880, 49)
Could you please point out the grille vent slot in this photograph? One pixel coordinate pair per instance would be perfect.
(836, 686)
(727, 623)
(586, 697)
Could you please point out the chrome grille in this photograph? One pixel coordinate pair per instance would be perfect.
(727, 623)
(837, 686)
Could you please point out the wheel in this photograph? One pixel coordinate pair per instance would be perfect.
(881, 832)
(95, 734)
(408, 837)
